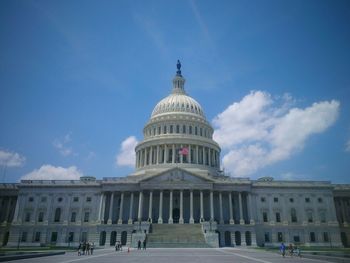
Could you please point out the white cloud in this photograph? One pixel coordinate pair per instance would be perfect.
(49, 172)
(126, 155)
(347, 146)
(261, 130)
(62, 145)
(11, 159)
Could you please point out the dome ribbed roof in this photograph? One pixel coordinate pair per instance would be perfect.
(178, 103)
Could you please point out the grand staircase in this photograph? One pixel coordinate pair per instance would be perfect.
(176, 235)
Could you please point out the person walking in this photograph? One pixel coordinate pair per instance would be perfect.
(92, 246)
(144, 244)
(79, 249)
(283, 250)
(139, 245)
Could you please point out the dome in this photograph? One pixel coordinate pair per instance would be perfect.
(178, 103)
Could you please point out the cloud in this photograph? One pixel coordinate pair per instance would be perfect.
(49, 172)
(261, 130)
(11, 159)
(126, 155)
(62, 145)
(347, 146)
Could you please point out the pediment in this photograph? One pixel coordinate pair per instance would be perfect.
(177, 175)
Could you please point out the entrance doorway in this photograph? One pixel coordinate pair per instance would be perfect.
(227, 239)
(176, 215)
(124, 238)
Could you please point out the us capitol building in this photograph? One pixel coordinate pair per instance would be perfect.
(177, 197)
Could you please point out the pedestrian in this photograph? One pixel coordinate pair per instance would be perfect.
(88, 248)
(144, 244)
(291, 250)
(116, 246)
(92, 246)
(79, 249)
(84, 248)
(139, 245)
(283, 249)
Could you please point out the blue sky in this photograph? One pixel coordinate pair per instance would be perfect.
(77, 78)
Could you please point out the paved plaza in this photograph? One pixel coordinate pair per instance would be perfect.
(169, 255)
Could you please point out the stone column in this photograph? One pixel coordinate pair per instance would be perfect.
(67, 209)
(189, 154)
(7, 211)
(157, 154)
(230, 207)
(173, 155)
(160, 217)
(241, 220)
(150, 206)
(209, 156)
(342, 203)
(139, 214)
(285, 210)
(151, 156)
(120, 219)
(131, 208)
(211, 205)
(271, 215)
(197, 154)
(181, 220)
(220, 206)
(110, 214)
(250, 209)
(15, 217)
(201, 206)
(99, 219)
(191, 208)
(170, 221)
(181, 155)
(203, 152)
(165, 153)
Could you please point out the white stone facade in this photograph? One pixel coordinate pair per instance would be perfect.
(177, 181)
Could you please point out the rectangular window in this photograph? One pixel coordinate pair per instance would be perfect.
(307, 200)
(86, 217)
(53, 236)
(195, 130)
(43, 199)
(41, 217)
(320, 200)
(265, 216)
(73, 217)
(24, 237)
(177, 129)
(275, 199)
(312, 237)
(76, 199)
(184, 129)
(325, 237)
(31, 199)
(159, 130)
(267, 237)
(37, 237)
(291, 200)
(71, 237)
(83, 236)
(278, 217)
(279, 236)
(190, 129)
(171, 129)
(164, 129)
(27, 219)
(262, 199)
(296, 239)
(309, 217)
(88, 199)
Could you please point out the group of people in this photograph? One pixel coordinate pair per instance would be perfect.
(118, 246)
(86, 248)
(143, 244)
(293, 250)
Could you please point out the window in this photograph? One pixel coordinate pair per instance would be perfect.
(31, 199)
(43, 199)
(177, 128)
(309, 217)
(184, 129)
(320, 200)
(265, 217)
(296, 239)
(267, 237)
(24, 237)
(73, 217)
(323, 217)
(307, 200)
(88, 199)
(71, 237)
(291, 200)
(76, 199)
(200, 131)
(293, 215)
(164, 129)
(190, 129)
(37, 237)
(60, 199)
(53, 236)
(159, 130)
(41, 217)
(86, 217)
(275, 199)
(154, 131)
(262, 199)
(325, 237)
(312, 237)
(83, 236)
(171, 129)
(278, 217)
(279, 237)
(57, 215)
(195, 130)
(27, 218)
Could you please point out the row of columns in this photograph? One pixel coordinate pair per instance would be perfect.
(160, 154)
(6, 206)
(170, 218)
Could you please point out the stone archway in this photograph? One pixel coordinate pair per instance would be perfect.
(113, 238)
(124, 237)
(228, 239)
(102, 238)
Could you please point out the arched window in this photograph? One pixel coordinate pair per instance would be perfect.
(57, 215)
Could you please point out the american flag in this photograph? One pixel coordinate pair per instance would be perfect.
(183, 151)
